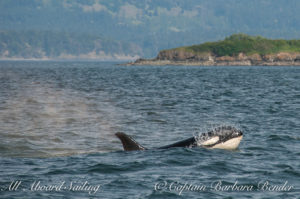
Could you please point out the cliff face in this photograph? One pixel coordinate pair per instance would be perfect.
(183, 57)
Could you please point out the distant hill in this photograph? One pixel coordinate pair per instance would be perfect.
(62, 45)
(248, 45)
(237, 49)
(153, 25)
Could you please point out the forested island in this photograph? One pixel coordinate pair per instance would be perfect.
(237, 49)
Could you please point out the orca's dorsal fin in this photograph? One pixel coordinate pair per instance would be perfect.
(129, 144)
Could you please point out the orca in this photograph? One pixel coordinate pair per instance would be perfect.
(223, 137)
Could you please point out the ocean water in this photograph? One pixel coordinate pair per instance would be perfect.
(58, 119)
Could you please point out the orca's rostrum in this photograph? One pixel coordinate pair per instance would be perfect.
(224, 137)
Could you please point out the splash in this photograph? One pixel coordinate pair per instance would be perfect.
(210, 129)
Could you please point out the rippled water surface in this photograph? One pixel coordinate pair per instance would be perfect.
(58, 119)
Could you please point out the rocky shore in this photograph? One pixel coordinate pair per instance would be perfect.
(182, 57)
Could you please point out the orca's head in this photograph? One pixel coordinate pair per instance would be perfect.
(223, 137)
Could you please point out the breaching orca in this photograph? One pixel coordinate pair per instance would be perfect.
(224, 137)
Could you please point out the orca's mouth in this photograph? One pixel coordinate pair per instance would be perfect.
(240, 133)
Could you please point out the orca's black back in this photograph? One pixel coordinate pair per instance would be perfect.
(190, 142)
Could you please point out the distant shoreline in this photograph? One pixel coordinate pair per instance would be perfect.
(67, 60)
(210, 63)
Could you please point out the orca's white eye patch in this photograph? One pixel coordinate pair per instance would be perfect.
(211, 141)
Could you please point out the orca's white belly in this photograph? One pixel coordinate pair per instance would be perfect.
(229, 144)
